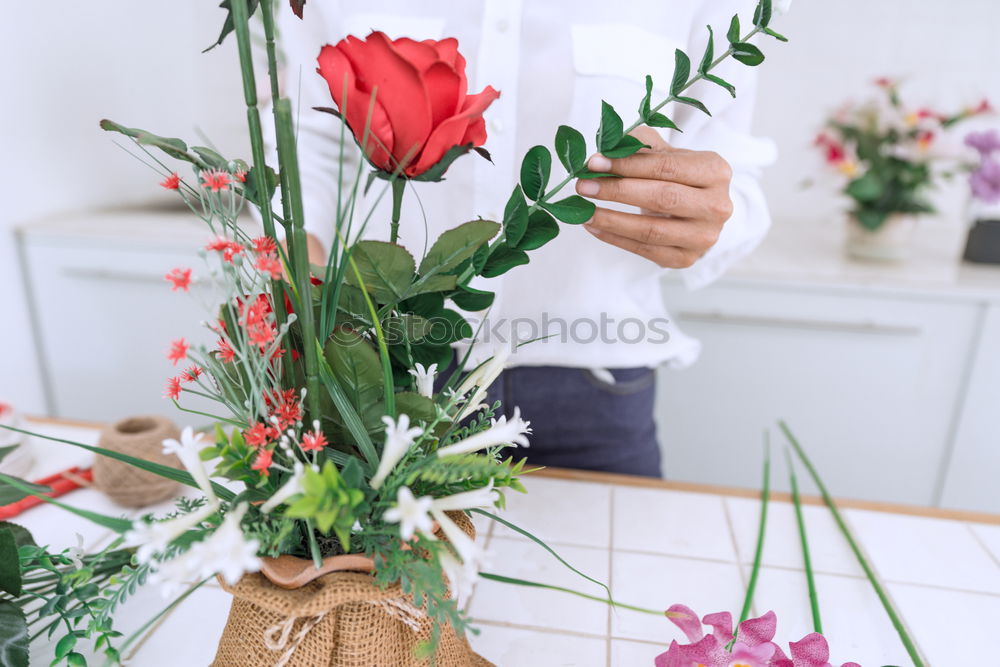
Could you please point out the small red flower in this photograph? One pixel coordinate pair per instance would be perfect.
(264, 245)
(173, 388)
(181, 279)
(171, 182)
(263, 462)
(313, 442)
(884, 82)
(983, 107)
(215, 179)
(229, 249)
(259, 434)
(240, 175)
(191, 374)
(269, 265)
(178, 350)
(226, 352)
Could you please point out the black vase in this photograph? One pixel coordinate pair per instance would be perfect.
(983, 243)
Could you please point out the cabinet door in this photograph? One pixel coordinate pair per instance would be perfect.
(869, 383)
(105, 318)
(972, 474)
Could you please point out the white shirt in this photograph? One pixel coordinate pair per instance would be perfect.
(553, 61)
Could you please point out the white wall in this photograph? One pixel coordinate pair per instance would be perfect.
(948, 54)
(67, 66)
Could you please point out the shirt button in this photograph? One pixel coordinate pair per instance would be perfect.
(502, 25)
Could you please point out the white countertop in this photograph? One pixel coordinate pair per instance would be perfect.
(654, 546)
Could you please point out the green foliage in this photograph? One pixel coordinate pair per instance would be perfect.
(515, 216)
(9, 493)
(330, 501)
(748, 54)
(709, 55)
(502, 259)
(386, 270)
(571, 148)
(574, 209)
(474, 300)
(628, 145)
(535, 171)
(542, 228)
(682, 70)
(457, 245)
(10, 567)
(13, 636)
(611, 130)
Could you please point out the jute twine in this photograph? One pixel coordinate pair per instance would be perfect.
(339, 620)
(141, 437)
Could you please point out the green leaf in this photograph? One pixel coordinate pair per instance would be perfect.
(777, 35)
(573, 210)
(709, 56)
(386, 269)
(503, 259)
(762, 13)
(697, 104)
(535, 171)
(13, 636)
(436, 172)
(211, 157)
(456, 245)
(611, 130)
(515, 217)
(417, 407)
(479, 259)
(252, 191)
(115, 524)
(22, 537)
(435, 283)
(450, 326)
(474, 300)
(748, 54)
(228, 25)
(541, 229)
(9, 494)
(682, 69)
(4, 451)
(357, 366)
(647, 99)
(76, 660)
(350, 416)
(866, 188)
(719, 81)
(175, 148)
(659, 120)
(629, 145)
(733, 35)
(571, 148)
(64, 646)
(871, 219)
(10, 564)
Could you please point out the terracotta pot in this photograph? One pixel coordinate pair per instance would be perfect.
(141, 437)
(889, 243)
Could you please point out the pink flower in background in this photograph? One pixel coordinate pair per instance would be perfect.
(313, 441)
(263, 462)
(180, 279)
(229, 249)
(240, 175)
(985, 142)
(173, 388)
(171, 182)
(178, 350)
(269, 266)
(753, 647)
(226, 352)
(264, 245)
(260, 434)
(985, 181)
(215, 180)
(191, 374)
(811, 651)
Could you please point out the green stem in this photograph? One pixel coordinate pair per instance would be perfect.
(535, 584)
(398, 186)
(897, 622)
(765, 496)
(313, 545)
(806, 556)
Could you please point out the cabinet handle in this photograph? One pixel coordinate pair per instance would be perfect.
(718, 317)
(123, 276)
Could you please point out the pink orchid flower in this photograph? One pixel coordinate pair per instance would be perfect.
(754, 647)
(811, 651)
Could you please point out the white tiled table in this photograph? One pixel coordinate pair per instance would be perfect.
(655, 544)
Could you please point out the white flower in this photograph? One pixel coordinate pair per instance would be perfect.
(292, 487)
(398, 439)
(188, 450)
(460, 575)
(225, 552)
(466, 500)
(153, 537)
(480, 379)
(463, 574)
(76, 554)
(782, 6)
(425, 378)
(412, 514)
(502, 432)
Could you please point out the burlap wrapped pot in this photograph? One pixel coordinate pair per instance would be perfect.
(341, 619)
(141, 437)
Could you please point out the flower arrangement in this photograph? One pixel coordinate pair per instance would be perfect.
(345, 423)
(886, 150)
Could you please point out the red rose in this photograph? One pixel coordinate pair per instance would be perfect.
(421, 108)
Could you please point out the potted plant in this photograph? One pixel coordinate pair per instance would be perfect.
(887, 152)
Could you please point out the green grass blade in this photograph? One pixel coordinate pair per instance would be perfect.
(803, 538)
(897, 622)
(542, 544)
(114, 523)
(347, 412)
(765, 497)
(536, 584)
(156, 468)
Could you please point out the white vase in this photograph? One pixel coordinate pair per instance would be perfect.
(891, 242)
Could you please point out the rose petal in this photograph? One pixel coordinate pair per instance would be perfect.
(442, 85)
(452, 131)
(335, 67)
(421, 54)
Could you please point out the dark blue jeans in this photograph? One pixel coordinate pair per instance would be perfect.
(581, 421)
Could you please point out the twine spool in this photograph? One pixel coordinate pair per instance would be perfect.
(141, 437)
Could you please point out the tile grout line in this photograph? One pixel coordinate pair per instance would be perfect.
(982, 544)
(736, 548)
(611, 568)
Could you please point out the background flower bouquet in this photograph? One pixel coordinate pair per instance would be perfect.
(350, 441)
